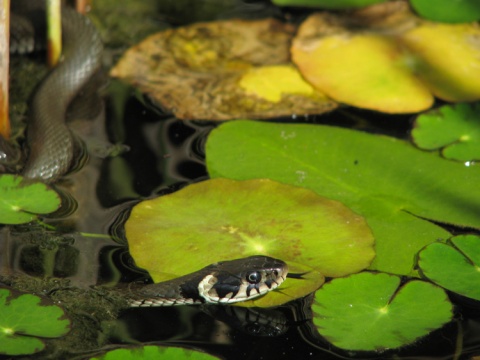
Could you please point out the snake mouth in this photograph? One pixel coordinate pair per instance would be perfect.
(221, 288)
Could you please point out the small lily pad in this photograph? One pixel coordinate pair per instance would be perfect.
(24, 319)
(21, 201)
(154, 352)
(453, 128)
(454, 266)
(448, 10)
(223, 219)
(373, 312)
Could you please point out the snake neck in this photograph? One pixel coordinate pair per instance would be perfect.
(179, 291)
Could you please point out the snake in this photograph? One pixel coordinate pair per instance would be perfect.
(224, 282)
(52, 146)
(51, 154)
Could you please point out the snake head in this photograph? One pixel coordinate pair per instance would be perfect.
(242, 279)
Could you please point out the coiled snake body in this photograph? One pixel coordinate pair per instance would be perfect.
(50, 142)
(220, 283)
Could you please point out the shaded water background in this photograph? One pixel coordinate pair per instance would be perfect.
(159, 154)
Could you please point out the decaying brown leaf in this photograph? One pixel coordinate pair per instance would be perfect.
(222, 70)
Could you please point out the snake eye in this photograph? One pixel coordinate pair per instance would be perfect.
(254, 277)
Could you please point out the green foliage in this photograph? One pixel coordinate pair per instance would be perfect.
(328, 4)
(392, 184)
(22, 201)
(154, 352)
(24, 319)
(454, 266)
(453, 128)
(224, 219)
(372, 311)
(448, 10)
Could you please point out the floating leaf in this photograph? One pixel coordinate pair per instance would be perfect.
(21, 201)
(23, 318)
(222, 70)
(386, 59)
(223, 219)
(328, 4)
(392, 184)
(153, 352)
(454, 128)
(446, 58)
(448, 10)
(454, 266)
(372, 311)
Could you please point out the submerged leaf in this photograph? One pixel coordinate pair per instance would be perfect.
(21, 201)
(222, 70)
(223, 219)
(388, 181)
(23, 318)
(453, 128)
(372, 311)
(454, 266)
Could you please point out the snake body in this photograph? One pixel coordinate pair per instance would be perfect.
(220, 283)
(50, 142)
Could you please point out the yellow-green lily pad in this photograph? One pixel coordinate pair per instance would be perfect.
(22, 201)
(454, 265)
(447, 59)
(453, 128)
(385, 58)
(224, 219)
(25, 319)
(374, 312)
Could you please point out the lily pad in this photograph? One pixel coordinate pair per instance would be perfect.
(22, 201)
(222, 70)
(223, 219)
(453, 128)
(446, 58)
(448, 10)
(25, 319)
(328, 4)
(454, 266)
(386, 59)
(392, 184)
(154, 352)
(373, 312)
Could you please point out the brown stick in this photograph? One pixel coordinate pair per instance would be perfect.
(4, 66)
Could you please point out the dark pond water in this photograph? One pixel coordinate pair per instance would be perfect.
(158, 155)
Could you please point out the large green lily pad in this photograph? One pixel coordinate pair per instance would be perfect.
(454, 266)
(391, 183)
(25, 319)
(154, 352)
(223, 219)
(22, 201)
(373, 312)
(453, 128)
